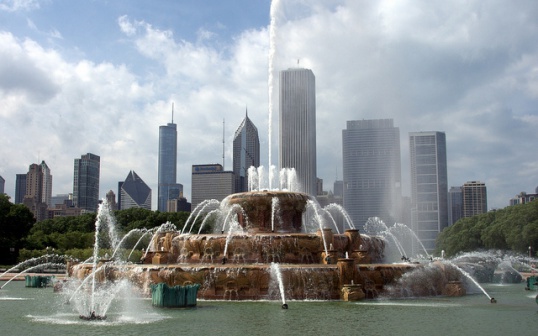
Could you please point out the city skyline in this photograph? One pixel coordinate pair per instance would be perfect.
(105, 87)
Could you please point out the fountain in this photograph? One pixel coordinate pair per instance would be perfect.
(276, 229)
(252, 232)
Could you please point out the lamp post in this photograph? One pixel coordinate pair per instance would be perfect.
(530, 249)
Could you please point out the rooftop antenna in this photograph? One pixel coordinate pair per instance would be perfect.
(172, 112)
(223, 123)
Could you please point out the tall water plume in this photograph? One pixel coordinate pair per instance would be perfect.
(272, 53)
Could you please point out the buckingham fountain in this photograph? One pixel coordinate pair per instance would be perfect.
(265, 245)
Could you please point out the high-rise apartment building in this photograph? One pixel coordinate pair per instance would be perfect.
(38, 190)
(46, 194)
(20, 188)
(475, 198)
(455, 205)
(429, 186)
(135, 193)
(372, 170)
(210, 182)
(2, 185)
(167, 187)
(297, 126)
(246, 153)
(86, 182)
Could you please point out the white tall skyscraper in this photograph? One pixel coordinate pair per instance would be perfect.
(429, 185)
(372, 170)
(297, 126)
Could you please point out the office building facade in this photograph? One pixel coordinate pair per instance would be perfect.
(429, 186)
(372, 170)
(297, 126)
(210, 182)
(86, 182)
(246, 153)
(475, 198)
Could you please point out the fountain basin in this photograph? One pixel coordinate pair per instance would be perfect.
(259, 210)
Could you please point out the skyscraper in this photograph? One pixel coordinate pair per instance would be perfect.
(20, 188)
(38, 190)
(455, 205)
(86, 182)
(297, 126)
(475, 198)
(429, 186)
(135, 193)
(372, 170)
(46, 194)
(167, 186)
(210, 182)
(246, 153)
(2, 184)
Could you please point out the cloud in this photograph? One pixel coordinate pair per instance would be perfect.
(467, 68)
(22, 74)
(19, 5)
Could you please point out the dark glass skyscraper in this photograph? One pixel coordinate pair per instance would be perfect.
(135, 193)
(86, 182)
(167, 186)
(246, 153)
(372, 170)
(297, 126)
(20, 188)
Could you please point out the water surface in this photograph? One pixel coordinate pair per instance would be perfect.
(41, 312)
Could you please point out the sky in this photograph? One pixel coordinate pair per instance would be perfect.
(101, 76)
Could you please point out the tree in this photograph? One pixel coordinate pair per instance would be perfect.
(513, 228)
(16, 220)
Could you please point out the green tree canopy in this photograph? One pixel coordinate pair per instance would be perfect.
(512, 228)
(16, 220)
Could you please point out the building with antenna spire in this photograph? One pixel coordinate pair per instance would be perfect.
(168, 188)
(246, 152)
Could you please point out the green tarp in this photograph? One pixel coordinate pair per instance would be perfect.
(173, 297)
(531, 282)
(38, 281)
